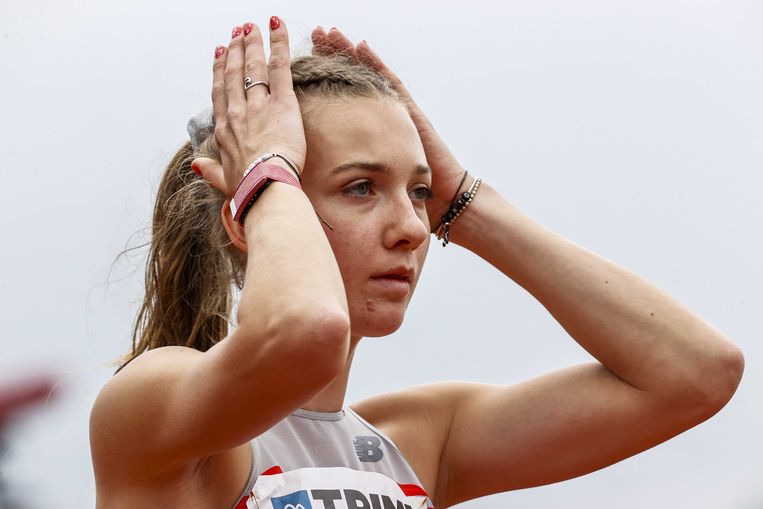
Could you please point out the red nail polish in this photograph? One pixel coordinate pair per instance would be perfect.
(195, 168)
(248, 27)
(236, 32)
(274, 22)
(219, 51)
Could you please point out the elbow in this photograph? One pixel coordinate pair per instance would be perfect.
(725, 375)
(295, 353)
(716, 380)
(318, 341)
(330, 343)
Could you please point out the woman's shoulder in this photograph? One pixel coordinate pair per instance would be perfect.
(148, 360)
(146, 370)
(150, 427)
(417, 420)
(128, 399)
(433, 401)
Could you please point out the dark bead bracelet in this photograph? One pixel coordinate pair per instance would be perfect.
(457, 207)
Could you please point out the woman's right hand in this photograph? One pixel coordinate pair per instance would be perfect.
(251, 123)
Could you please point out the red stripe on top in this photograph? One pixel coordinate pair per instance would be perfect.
(412, 490)
(272, 471)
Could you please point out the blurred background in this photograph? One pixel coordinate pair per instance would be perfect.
(634, 129)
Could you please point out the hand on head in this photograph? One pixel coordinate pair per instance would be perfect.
(334, 41)
(262, 118)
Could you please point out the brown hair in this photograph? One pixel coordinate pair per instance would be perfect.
(192, 265)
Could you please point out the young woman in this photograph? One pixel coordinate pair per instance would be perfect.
(199, 417)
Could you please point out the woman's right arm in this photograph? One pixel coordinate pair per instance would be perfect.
(174, 405)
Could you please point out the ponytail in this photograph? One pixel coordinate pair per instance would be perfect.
(191, 264)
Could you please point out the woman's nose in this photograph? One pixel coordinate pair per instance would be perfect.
(405, 224)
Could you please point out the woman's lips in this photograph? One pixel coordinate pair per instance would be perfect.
(394, 285)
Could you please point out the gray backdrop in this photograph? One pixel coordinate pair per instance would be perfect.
(631, 128)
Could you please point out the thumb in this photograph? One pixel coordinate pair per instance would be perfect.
(212, 172)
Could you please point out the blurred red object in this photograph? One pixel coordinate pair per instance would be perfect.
(23, 393)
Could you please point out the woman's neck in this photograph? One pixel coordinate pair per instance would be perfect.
(331, 398)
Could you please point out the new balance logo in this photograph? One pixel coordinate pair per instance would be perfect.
(368, 448)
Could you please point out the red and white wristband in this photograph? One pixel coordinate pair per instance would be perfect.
(257, 177)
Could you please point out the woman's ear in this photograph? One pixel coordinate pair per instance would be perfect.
(234, 228)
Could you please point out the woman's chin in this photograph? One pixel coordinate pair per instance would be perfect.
(374, 315)
(376, 325)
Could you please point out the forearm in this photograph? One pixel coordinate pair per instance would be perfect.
(291, 270)
(639, 332)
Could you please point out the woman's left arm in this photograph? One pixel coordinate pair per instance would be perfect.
(639, 332)
(662, 368)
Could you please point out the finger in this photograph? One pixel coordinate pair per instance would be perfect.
(318, 37)
(213, 172)
(279, 65)
(255, 66)
(369, 57)
(234, 77)
(331, 42)
(341, 44)
(219, 101)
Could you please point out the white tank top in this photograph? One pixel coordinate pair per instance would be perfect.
(336, 460)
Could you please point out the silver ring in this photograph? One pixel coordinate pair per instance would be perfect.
(248, 83)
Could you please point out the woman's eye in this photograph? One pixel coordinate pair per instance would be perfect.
(423, 193)
(359, 189)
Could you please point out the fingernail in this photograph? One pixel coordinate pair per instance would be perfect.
(274, 22)
(332, 29)
(236, 32)
(248, 27)
(195, 168)
(219, 51)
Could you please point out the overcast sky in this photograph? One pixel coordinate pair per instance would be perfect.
(633, 129)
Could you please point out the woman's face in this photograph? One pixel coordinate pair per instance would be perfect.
(366, 175)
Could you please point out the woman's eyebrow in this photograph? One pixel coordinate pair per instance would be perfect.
(419, 169)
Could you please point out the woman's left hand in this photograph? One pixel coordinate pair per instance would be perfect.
(446, 171)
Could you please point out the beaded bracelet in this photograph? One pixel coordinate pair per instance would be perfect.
(456, 209)
(453, 200)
